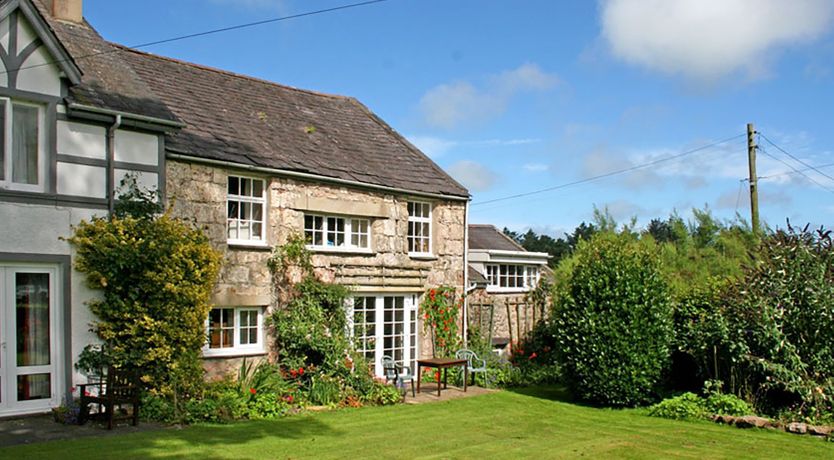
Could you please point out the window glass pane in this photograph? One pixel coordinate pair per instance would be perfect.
(234, 209)
(245, 186)
(233, 185)
(32, 318)
(258, 188)
(257, 231)
(24, 144)
(257, 211)
(34, 386)
(233, 229)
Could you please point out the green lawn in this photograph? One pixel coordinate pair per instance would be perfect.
(535, 423)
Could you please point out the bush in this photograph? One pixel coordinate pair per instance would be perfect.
(156, 275)
(727, 404)
(782, 315)
(685, 406)
(612, 321)
(382, 394)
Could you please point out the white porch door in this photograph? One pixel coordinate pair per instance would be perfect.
(28, 339)
(385, 325)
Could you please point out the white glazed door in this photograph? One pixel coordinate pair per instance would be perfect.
(385, 325)
(28, 345)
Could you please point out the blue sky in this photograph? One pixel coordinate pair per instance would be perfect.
(515, 96)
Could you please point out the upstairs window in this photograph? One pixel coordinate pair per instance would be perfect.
(512, 277)
(246, 204)
(21, 159)
(419, 228)
(337, 233)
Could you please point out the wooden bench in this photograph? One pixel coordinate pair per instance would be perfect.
(119, 387)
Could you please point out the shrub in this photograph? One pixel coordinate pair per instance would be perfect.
(156, 276)
(441, 311)
(782, 315)
(612, 321)
(685, 406)
(382, 394)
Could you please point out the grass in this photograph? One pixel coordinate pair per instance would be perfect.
(535, 423)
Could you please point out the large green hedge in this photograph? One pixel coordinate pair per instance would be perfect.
(156, 275)
(612, 321)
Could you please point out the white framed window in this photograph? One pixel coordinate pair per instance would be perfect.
(246, 211)
(385, 325)
(419, 228)
(234, 331)
(337, 233)
(22, 162)
(512, 277)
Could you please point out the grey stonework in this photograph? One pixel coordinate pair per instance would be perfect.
(198, 192)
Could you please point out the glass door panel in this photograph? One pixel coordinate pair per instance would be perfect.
(32, 327)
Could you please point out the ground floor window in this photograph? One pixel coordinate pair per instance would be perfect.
(234, 331)
(385, 325)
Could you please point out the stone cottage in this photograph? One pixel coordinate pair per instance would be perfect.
(250, 161)
(501, 274)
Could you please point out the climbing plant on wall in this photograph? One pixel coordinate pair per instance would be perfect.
(440, 312)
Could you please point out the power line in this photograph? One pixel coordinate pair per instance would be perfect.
(609, 174)
(763, 150)
(207, 32)
(826, 165)
(795, 158)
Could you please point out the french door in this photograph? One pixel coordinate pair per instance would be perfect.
(28, 333)
(385, 325)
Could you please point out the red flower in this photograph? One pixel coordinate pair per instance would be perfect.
(300, 371)
(288, 398)
(293, 373)
(253, 391)
(437, 375)
(533, 355)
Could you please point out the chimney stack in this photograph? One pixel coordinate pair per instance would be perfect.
(66, 10)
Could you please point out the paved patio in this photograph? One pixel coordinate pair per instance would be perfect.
(428, 393)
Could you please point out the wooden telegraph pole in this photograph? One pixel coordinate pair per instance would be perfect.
(754, 186)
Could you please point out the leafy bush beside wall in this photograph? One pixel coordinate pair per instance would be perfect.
(156, 275)
(613, 321)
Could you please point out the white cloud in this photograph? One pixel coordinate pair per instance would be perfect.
(707, 40)
(452, 104)
(474, 176)
(436, 147)
(535, 167)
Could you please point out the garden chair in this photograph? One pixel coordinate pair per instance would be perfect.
(397, 373)
(117, 388)
(473, 364)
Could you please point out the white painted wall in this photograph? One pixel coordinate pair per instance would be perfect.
(25, 33)
(37, 229)
(82, 140)
(4, 33)
(37, 77)
(81, 180)
(135, 147)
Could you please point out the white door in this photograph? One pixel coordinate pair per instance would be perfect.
(28, 339)
(385, 325)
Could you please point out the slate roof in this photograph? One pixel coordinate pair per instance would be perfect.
(245, 120)
(487, 237)
(476, 277)
(108, 82)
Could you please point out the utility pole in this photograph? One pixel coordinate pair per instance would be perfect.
(754, 186)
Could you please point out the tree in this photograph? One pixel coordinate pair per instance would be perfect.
(612, 319)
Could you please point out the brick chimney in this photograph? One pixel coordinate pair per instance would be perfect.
(66, 10)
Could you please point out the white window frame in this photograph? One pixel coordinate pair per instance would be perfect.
(349, 232)
(7, 182)
(237, 349)
(262, 241)
(420, 220)
(410, 328)
(529, 273)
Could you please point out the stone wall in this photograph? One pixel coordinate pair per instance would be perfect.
(198, 192)
(522, 318)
